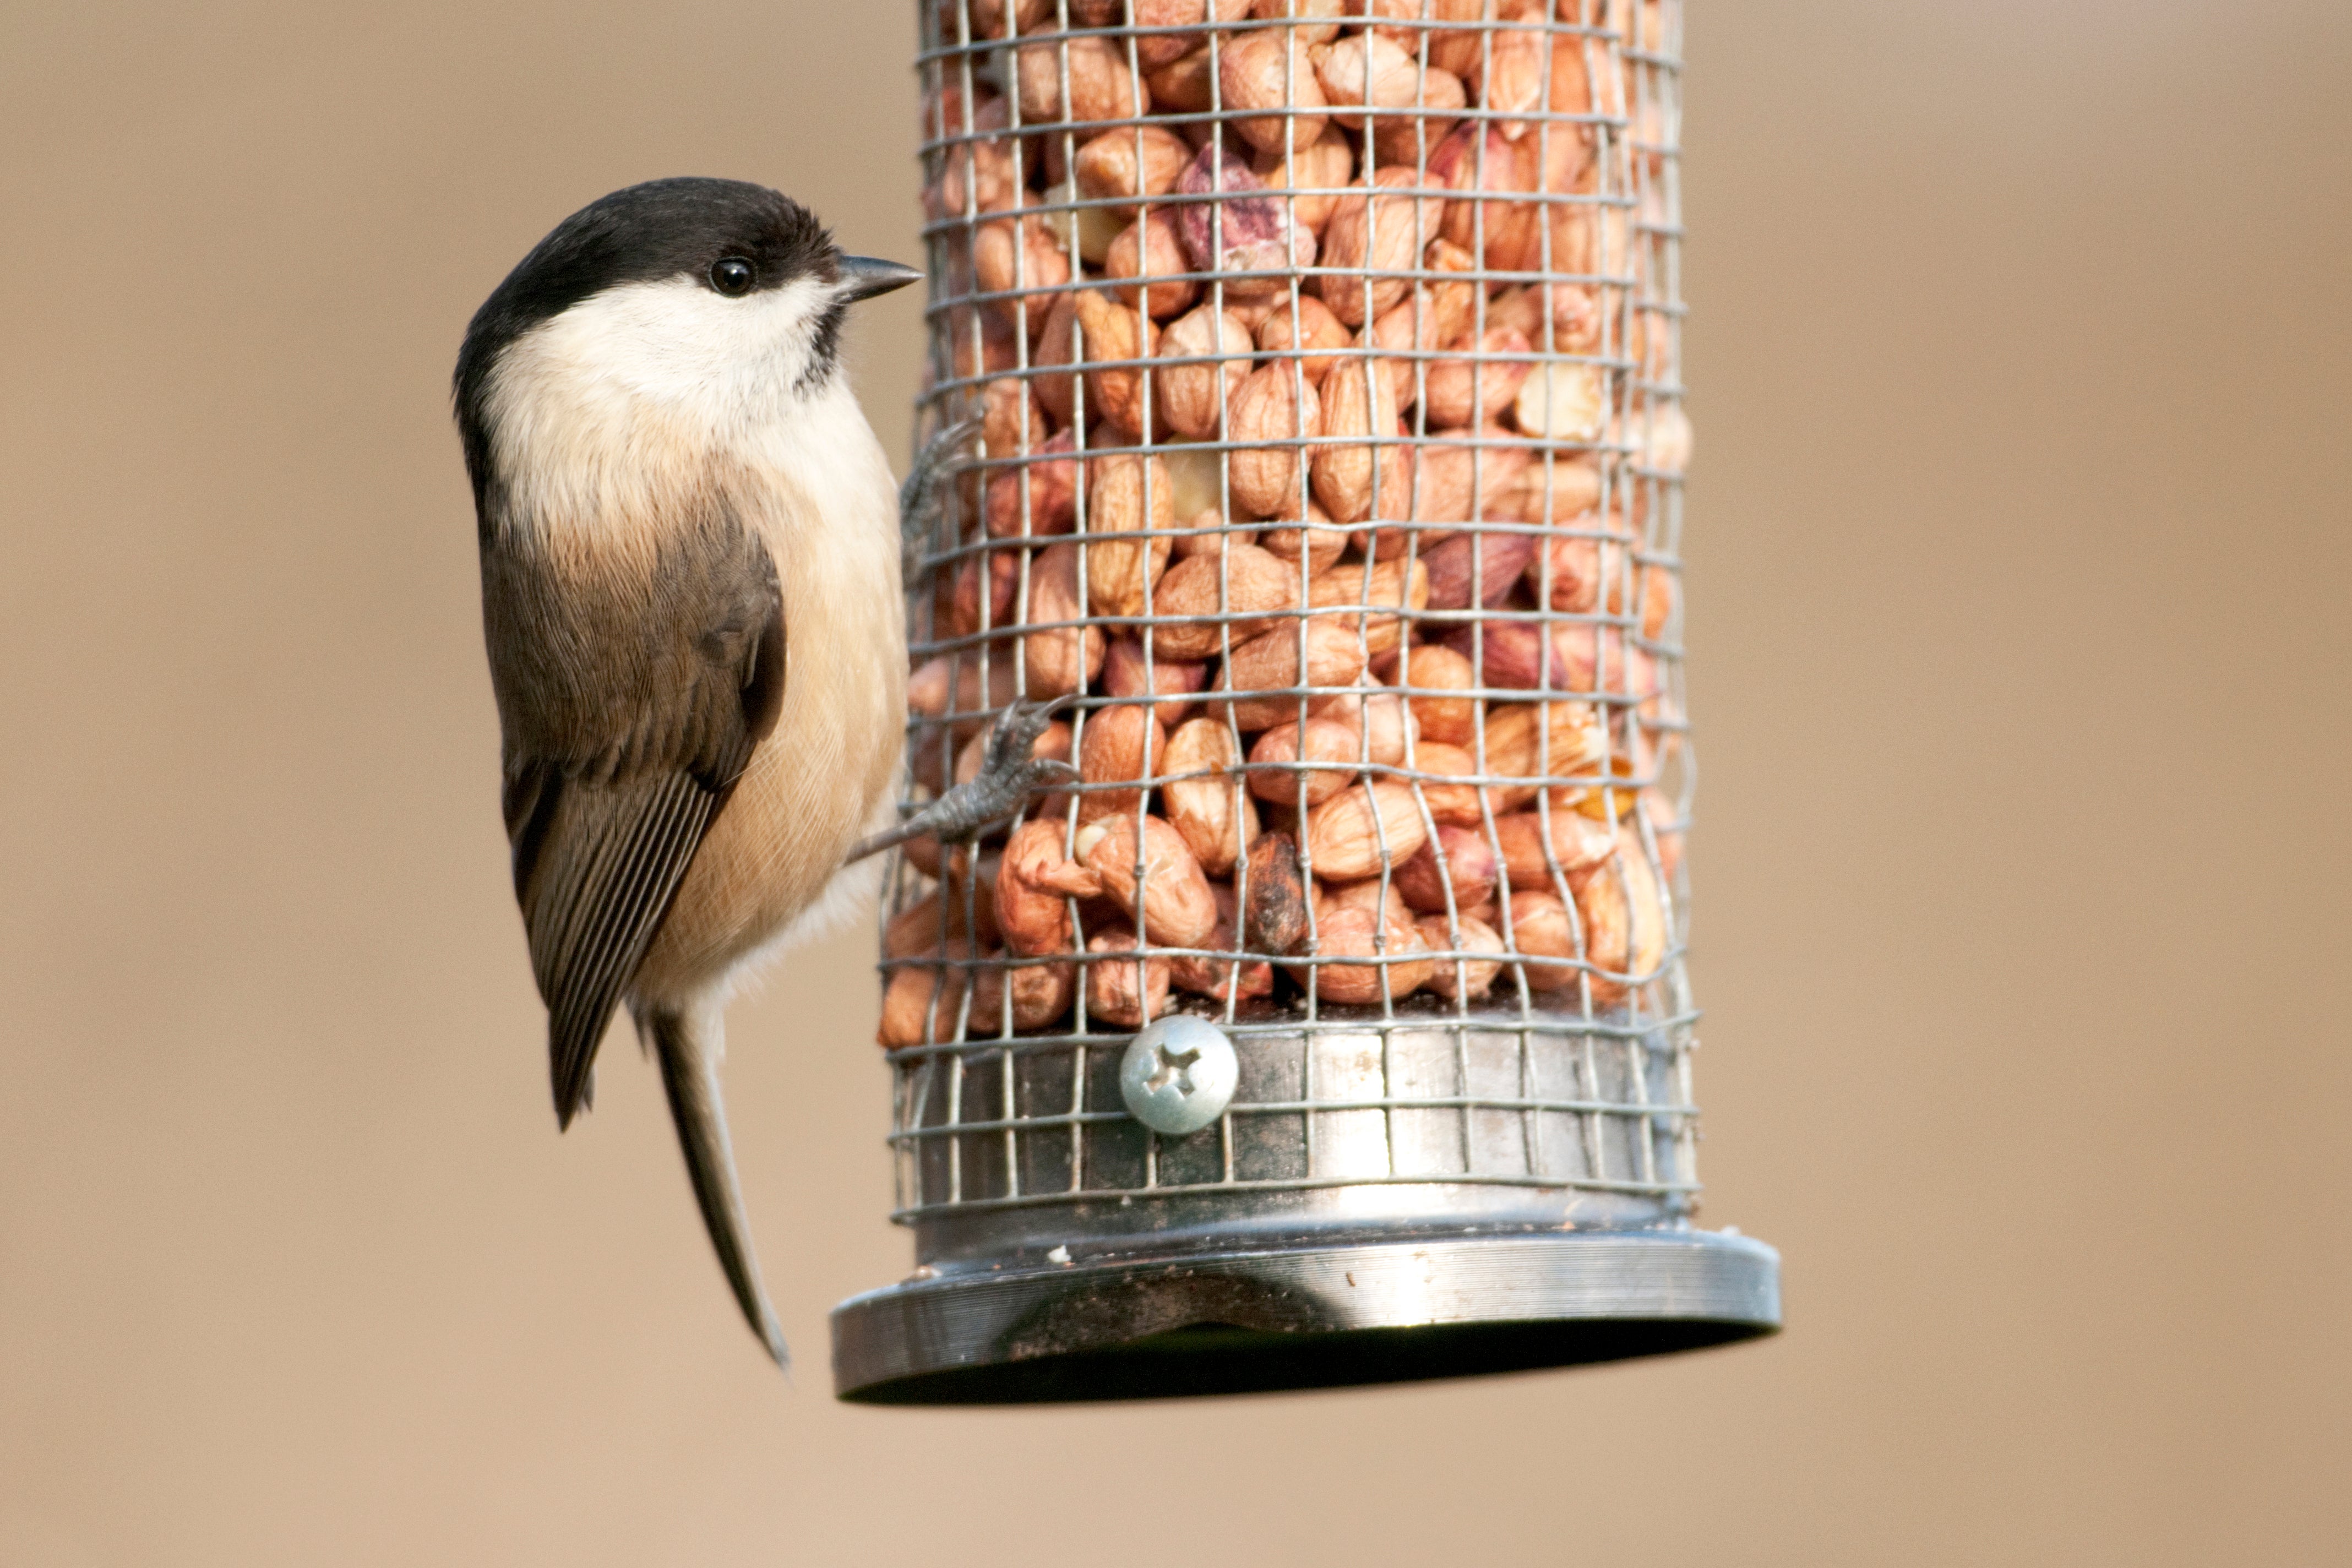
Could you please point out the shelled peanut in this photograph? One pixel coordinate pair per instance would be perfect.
(1319, 356)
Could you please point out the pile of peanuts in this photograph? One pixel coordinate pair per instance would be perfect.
(1329, 463)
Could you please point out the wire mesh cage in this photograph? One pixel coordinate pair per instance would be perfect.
(1321, 362)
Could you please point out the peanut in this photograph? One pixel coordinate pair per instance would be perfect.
(1210, 810)
(1000, 569)
(1052, 492)
(1382, 232)
(1402, 138)
(981, 175)
(1542, 928)
(1116, 745)
(1178, 910)
(1477, 566)
(1404, 37)
(1362, 959)
(1449, 803)
(1504, 231)
(1222, 979)
(1306, 32)
(1573, 571)
(1459, 858)
(923, 1002)
(1149, 248)
(1123, 992)
(1243, 233)
(1013, 422)
(989, 17)
(1367, 71)
(1350, 479)
(1459, 49)
(1173, 680)
(1317, 171)
(1373, 896)
(1208, 534)
(1546, 492)
(1306, 765)
(1112, 334)
(1270, 665)
(1353, 833)
(1034, 883)
(1185, 84)
(1623, 920)
(1315, 328)
(1571, 657)
(1275, 908)
(1473, 480)
(1510, 79)
(1317, 539)
(1056, 390)
(1242, 581)
(1577, 843)
(1457, 390)
(1563, 403)
(1372, 599)
(1041, 993)
(1128, 496)
(981, 342)
(1540, 741)
(1100, 85)
(1193, 398)
(1199, 478)
(1463, 978)
(1109, 166)
(1451, 719)
(1059, 660)
(1382, 723)
(1270, 411)
(1424, 318)
(921, 926)
(1024, 255)
(1270, 70)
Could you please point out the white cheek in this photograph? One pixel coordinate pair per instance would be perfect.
(629, 391)
(674, 343)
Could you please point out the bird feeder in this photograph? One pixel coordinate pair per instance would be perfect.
(1310, 382)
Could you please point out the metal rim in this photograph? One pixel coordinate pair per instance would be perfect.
(1312, 1316)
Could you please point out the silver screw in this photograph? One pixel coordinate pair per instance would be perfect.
(1179, 1075)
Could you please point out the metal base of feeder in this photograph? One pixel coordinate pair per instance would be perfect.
(1321, 1314)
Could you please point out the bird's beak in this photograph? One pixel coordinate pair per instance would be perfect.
(863, 276)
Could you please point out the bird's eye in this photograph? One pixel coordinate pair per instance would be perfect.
(732, 276)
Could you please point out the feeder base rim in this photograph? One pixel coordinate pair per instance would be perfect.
(1316, 1315)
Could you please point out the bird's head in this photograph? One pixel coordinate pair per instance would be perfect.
(716, 298)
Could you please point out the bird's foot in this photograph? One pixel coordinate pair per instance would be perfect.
(1008, 776)
(918, 496)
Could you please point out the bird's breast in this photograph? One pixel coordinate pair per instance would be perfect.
(820, 493)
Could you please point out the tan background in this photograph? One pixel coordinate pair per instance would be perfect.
(2019, 575)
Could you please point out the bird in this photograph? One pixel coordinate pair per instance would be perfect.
(691, 547)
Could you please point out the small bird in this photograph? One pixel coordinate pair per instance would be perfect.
(691, 547)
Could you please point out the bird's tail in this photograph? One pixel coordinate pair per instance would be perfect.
(689, 1042)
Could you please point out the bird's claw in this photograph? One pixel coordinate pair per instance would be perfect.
(915, 497)
(1014, 734)
(1008, 776)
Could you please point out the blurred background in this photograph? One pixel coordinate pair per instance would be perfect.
(2022, 372)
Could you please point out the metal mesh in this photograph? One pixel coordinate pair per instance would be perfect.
(1477, 537)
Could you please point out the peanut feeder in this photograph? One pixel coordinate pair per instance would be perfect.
(1324, 361)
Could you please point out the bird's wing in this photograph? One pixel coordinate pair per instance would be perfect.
(630, 700)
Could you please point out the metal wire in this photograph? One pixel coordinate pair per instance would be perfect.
(1626, 1037)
